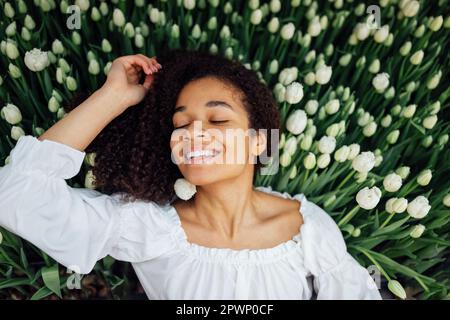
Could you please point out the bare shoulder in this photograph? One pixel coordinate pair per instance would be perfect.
(284, 212)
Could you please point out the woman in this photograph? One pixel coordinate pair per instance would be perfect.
(231, 240)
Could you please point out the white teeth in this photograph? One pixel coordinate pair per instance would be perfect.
(200, 153)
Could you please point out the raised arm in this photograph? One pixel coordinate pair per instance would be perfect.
(120, 91)
(75, 226)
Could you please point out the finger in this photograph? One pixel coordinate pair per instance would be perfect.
(139, 61)
(156, 63)
(147, 59)
(148, 82)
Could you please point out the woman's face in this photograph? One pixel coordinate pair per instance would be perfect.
(212, 140)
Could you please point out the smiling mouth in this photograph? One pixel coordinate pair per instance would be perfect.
(201, 157)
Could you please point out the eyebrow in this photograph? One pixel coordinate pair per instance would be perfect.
(209, 104)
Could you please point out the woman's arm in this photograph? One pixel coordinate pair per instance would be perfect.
(120, 91)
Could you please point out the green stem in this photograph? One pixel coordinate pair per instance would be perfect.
(348, 216)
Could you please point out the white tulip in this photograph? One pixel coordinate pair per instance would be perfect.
(332, 106)
(446, 200)
(314, 27)
(294, 93)
(424, 177)
(327, 144)
(287, 31)
(341, 154)
(417, 231)
(429, 122)
(323, 74)
(392, 182)
(11, 114)
(311, 107)
(11, 50)
(288, 75)
(17, 132)
(396, 205)
(364, 162)
(296, 122)
(409, 111)
(36, 60)
(354, 149)
(184, 189)
(309, 161)
(381, 81)
(285, 159)
(89, 180)
(324, 160)
(436, 23)
(419, 207)
(370, 129)
(417, 57)
(189, 4)
(368, 198)
(362, 31)
(118, 17)
(410, 8)
(306, 142)
(274, 25)
(381, 34)
(256, 17)
(290, 146)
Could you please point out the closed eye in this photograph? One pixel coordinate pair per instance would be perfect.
(213, 121)
(219, 121)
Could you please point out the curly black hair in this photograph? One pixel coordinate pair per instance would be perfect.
(133, 154)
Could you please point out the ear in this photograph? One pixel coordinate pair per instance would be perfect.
(258, 143)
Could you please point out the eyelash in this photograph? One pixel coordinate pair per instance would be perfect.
(217, 121)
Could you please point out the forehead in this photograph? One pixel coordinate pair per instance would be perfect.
(202, 90)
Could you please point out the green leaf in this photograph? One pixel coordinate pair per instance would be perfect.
(41, 293)
(50, 275)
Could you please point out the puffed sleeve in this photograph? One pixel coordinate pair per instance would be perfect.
(75, 226)
(336, 274)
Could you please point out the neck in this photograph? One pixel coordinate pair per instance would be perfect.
(227, 205)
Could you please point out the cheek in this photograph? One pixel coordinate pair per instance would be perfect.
(236, 150)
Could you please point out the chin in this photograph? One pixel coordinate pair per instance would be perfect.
(201, 175)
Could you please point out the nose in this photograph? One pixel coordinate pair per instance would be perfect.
(197, 130)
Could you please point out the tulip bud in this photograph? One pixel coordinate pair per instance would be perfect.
(417, 57)
(419, 207)
(53, 104)
(341, 154)
(409, 111)
(424, 177)
(381, 82)
(405, 48)
(118, 18)
(309, 161)
(11, 113)
(306, 142)
(395, 287)
(392, 182)
(285, 159)
(17, 132)
(294, 93)
(429, 122)
(436, 23)
(370, 129)
(417, 231)
(446, 200)
(296, 122)
(311, 107)
(386, 121)
(323, 161)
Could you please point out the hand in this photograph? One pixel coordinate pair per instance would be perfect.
(124, 75)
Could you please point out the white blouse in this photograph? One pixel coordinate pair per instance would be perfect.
(79, 226)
